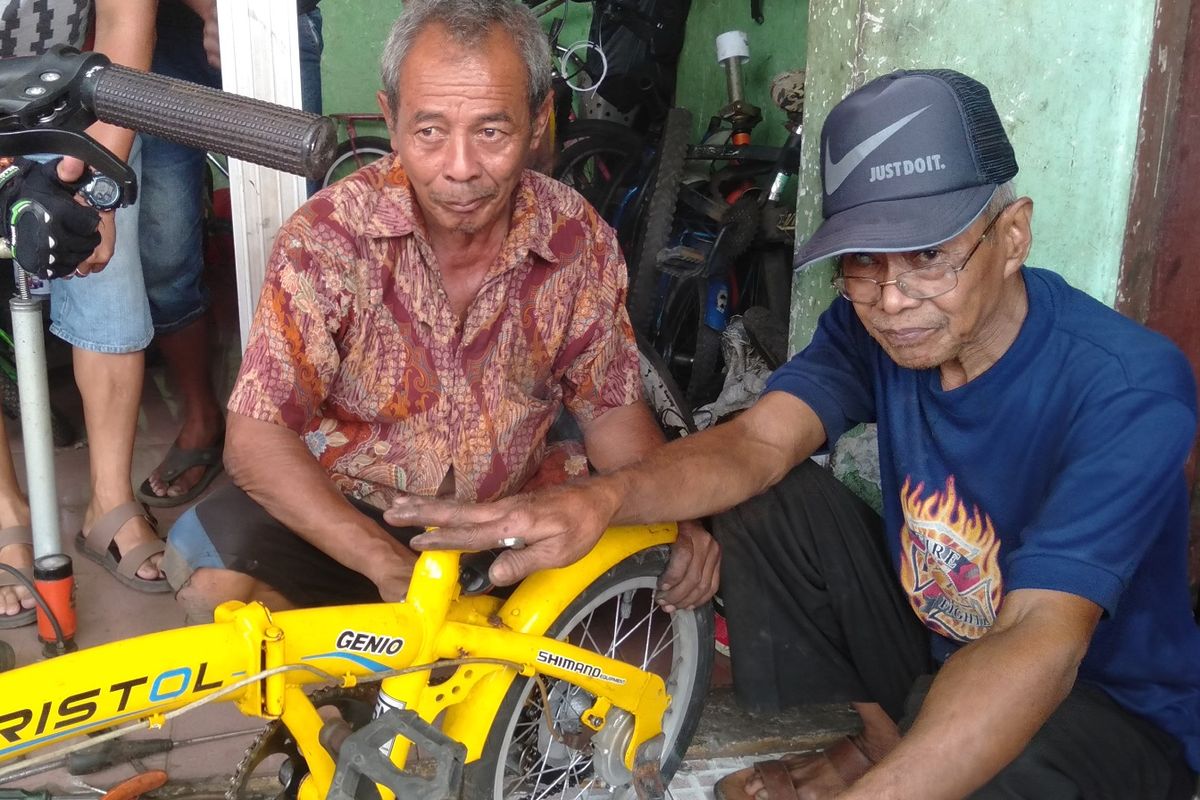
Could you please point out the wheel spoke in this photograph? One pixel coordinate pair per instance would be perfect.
(540, 767)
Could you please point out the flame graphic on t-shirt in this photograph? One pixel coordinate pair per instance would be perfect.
(949, 563)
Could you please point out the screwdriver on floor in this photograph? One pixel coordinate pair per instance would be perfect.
(118, 751)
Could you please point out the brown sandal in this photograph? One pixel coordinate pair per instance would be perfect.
(847, 760)
(98, 545)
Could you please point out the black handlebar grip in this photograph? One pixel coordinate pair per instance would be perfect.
(253, 130)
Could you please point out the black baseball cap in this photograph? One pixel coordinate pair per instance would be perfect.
(907, 162)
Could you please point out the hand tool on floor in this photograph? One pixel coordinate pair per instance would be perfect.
(119, 751)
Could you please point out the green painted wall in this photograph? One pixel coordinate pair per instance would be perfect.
(355, 31)
(1066, 77)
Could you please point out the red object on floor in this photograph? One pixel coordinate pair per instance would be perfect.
(722, 634)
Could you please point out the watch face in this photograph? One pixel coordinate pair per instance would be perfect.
(102, 192)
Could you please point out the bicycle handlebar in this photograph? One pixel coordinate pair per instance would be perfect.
(253, 130)
(64, 89)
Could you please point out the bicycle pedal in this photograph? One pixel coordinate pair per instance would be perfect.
(681, 253)
(360, 759)
(681, 261)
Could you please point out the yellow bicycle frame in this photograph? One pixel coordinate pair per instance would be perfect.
(146, 677)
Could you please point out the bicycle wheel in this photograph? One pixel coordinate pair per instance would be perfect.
(691, 349)
(666, 400)
(61, 430)
(352, 155)
(616, 615)
(656, 217)
(602, 161)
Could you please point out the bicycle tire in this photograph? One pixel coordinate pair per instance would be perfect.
(657, 218)
(690, 348)
(62, 432)
(599, 165)
(488, 777)
(666, 400)
(353, 154)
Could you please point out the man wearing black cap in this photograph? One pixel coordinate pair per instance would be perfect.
(1032, 444)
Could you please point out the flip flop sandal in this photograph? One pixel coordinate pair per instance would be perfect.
(21, 534)
(98, 545)
(178, 461)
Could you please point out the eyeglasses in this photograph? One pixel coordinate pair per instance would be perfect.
(931, 274)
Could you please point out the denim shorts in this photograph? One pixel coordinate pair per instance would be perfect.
(107, 312)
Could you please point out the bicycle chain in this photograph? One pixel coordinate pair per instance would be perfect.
(253, 754)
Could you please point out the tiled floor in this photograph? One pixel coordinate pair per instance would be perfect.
(108, 611)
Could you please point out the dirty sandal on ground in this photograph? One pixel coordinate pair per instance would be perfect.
(178, 461)
(21, 534)
(98, 545)
(847, 761)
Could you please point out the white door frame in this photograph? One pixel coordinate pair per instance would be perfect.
(260, 57)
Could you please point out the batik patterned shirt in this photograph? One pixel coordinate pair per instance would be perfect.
(355, 346)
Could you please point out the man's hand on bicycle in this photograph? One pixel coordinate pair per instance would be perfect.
(53, 233)
(694, 570)
(546, 529)
(555, 527)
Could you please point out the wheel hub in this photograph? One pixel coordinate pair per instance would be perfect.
(609, 746)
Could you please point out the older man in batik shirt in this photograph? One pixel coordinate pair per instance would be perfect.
(422, 325)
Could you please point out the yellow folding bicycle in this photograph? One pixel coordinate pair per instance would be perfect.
(577, 684)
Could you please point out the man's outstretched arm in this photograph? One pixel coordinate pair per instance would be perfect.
(692, 477)
(625, 435)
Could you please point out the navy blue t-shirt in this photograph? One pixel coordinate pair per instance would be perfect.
(1060, 467)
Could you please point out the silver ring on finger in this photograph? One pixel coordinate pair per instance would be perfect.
(513, 543)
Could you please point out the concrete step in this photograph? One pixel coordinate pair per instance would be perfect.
(729, 731)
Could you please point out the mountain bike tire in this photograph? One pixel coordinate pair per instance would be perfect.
(657, 218)
(514, 739)
(691, 349)
(61, 430)
(666, 400)
(352, 155)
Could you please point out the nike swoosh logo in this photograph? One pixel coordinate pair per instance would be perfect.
(836, 174)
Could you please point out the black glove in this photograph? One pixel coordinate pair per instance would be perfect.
(50, 233)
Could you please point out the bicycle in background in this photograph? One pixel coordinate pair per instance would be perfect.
(717, 244)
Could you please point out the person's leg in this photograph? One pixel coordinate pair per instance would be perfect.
(14, 513)
(814, 607)
(172, 252)
(1091, 749)
(816, 615)
(312, 44)
(106, 319)
(227, 547)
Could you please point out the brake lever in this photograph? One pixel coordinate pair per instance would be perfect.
(119, 184)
